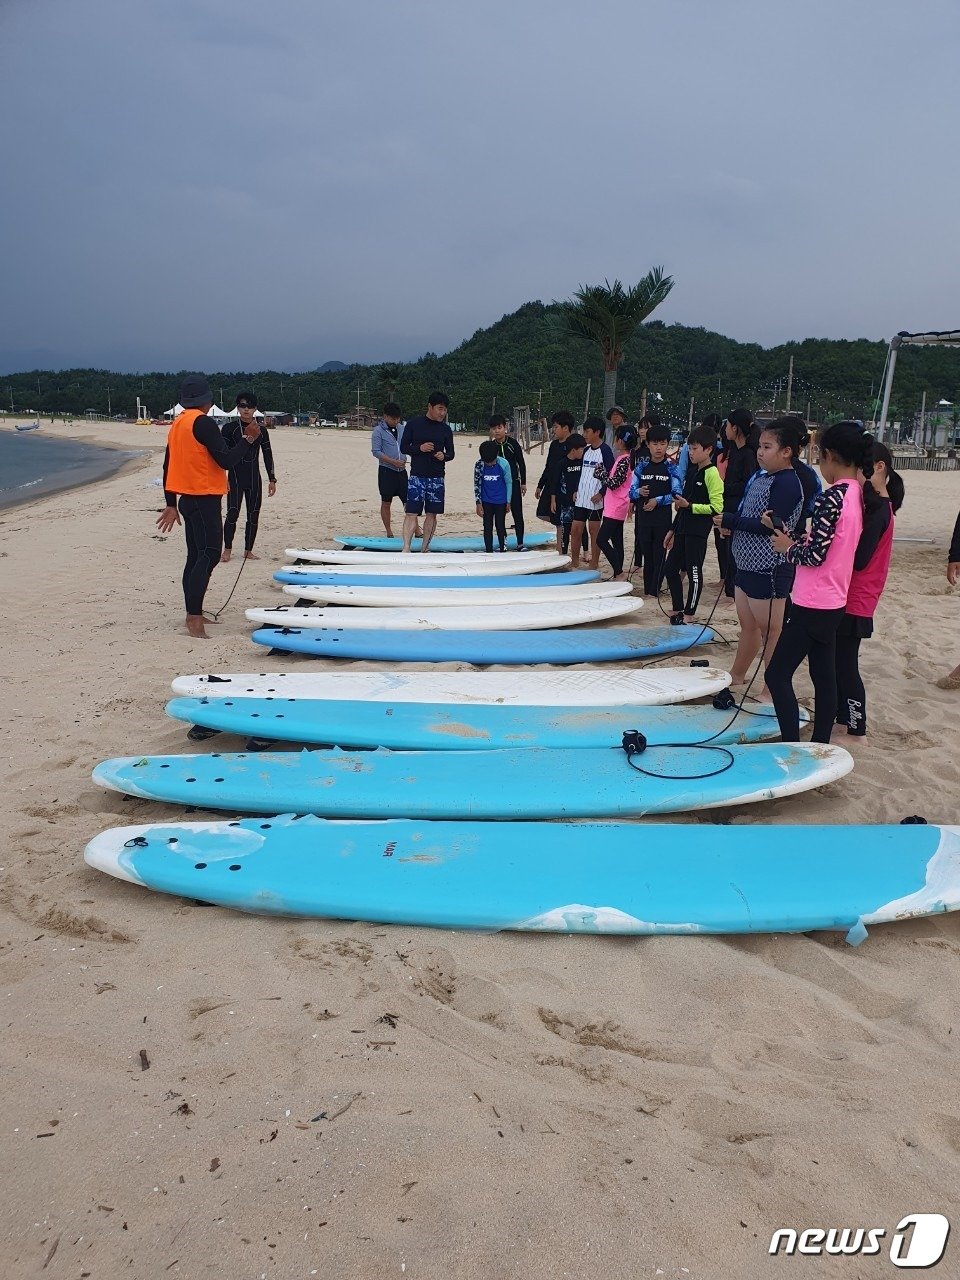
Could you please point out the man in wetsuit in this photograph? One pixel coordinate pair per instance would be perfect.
(195, 468)
(244, 479)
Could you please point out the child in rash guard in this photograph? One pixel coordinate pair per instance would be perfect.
(656, 482)
(824, 562)
(762, 578)
(568, 482)
(686, 542)
(883, 497)
(492, 485)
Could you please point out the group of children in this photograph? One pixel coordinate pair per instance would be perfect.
(800, 596)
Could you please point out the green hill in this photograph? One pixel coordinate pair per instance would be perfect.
(526, 358)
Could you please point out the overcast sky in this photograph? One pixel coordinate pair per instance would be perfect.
(220, 184)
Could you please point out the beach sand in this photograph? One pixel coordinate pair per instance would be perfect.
(496, 1106)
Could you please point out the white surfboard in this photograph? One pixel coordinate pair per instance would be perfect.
(611, 687)
(452, 597)
(391, 561)
(388, 565)
(518, 617)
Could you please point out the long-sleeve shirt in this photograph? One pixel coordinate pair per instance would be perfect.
(827, 510)
(741, 465)
(478, 478)
(424, 430)
(385, 443)
(207, 433)
(954, 555)
(549, 481)
(232, 433)
(703, 489)
(512, 450)
(662, 478)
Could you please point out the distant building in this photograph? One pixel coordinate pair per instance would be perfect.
(362, 418)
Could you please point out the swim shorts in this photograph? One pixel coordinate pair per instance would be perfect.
(424, 493)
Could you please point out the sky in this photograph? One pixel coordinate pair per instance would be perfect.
(227, 185)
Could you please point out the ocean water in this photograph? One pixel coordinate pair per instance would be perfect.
(33, 465)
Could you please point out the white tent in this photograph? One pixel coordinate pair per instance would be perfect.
(235, 413)
(944, 338)
(215, 412)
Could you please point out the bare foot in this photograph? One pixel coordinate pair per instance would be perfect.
(225, 558)
(195, 626)
(248, 555)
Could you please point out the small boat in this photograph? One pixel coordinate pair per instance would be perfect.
(26, 426)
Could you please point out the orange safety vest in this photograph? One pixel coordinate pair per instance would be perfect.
(190, 468)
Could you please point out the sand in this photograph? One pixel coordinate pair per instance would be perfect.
(496, 1106)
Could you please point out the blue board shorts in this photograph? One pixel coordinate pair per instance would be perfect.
(766, 586)
(424, 493)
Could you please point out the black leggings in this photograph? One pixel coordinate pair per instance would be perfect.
(203, 526)
(494, 513)
(651, 554)
(851, 695)
(245, 485)
(810, 634)
(610, 542)
(687, 554)
(516, 511)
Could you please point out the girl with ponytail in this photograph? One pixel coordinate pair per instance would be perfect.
(882, 498)
(824, 563)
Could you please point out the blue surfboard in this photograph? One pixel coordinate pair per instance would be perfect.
(414, 726)
(508, 648)
(448, 542)
(648, 879)
(534, 782)
(317, 578)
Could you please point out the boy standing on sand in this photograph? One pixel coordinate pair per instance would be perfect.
(492, 484)
(428, 443)
(656, 484)
(589, 504)
(686, 542)
(195, 468)
(512, 450)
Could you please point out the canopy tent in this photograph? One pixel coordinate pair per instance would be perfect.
(235, 413)
(944, 338)
(214, 412)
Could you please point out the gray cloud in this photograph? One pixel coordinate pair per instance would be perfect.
(222, 184)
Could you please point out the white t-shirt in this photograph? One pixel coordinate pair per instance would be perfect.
(589, 487)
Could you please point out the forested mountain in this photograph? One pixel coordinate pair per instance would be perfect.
(527, 358)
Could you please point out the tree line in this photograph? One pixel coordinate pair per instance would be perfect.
(531, 357)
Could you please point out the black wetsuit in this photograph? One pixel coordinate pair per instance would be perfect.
(512, 450)
(246, 485)
(203, 513)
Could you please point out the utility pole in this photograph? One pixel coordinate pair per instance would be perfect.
(690, 418)
(923, 421)
(789, 386)
(109, 406)
(643, 403)
(807, 419)
(586, 411)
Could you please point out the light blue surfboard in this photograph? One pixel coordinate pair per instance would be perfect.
(635, 879)
(448, 542)
(423, 581)
(508, 648)
(414, 726)
(535, 782)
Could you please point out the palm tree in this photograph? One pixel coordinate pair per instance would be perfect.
(390, 375)
(609, 315)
